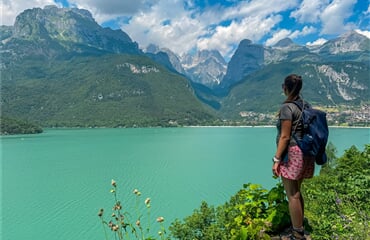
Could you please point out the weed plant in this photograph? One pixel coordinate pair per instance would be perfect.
(123, 225)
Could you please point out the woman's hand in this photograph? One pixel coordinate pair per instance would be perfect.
(275, 169)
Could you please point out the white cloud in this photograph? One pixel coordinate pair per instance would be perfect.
(309, 11)
(334, 15)
(330, 14)
(304, 32)
(205, 29)
(319, 41)
(277, 36)
(365, 33)
(258, 8)
(285, 33)
(114, 7)
(181, 25)
(226, 37)
(9, 9)
(180, 33)
(103, 11)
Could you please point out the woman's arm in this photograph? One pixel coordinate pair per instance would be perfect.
(286, 128)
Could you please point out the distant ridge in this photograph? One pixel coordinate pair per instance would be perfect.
(60, 68)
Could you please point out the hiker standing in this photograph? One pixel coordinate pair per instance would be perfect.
(289, 162)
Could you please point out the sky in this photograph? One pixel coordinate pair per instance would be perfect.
(186, 26)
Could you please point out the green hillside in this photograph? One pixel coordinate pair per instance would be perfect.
(112, 91)
(9, 126)
(324, 84)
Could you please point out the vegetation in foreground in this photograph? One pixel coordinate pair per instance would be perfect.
(126, 225)
(10, 126)
(337, 201)
(336, 205)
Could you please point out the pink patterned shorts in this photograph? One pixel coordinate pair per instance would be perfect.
(298, 166)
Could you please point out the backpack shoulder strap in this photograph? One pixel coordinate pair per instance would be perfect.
(301, 106)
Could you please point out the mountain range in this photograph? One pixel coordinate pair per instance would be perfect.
(60, 68)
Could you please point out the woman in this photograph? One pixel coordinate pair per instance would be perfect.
(289, 162)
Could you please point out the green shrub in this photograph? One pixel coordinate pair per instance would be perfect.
(253, 213)
(337, 201)
(337, 206)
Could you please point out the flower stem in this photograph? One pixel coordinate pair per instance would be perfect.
(105, 230)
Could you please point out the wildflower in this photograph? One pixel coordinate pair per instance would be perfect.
(110, 224)
(138, 223)
(160, 219)
(100, 213)
(114, 184)
(115, 228)
(117, 206)
(268, 224)
(147, 201)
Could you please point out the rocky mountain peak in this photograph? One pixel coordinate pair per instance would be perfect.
(285, 42)
(54, 31)
(348, 42)
(50, 19)
(202, 56)
(245, 42)
(206, 67)
(247, 58)
(165, 57)
(152, 48)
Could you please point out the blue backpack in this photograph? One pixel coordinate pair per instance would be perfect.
(315, 133)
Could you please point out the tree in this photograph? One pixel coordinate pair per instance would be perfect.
(16, 126)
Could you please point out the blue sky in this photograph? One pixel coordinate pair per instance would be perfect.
(188, 25)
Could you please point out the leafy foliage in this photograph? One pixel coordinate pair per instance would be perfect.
(337, 201)
(15, 126)
(336, 205)
(253, 213)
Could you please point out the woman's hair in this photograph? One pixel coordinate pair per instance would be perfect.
(293, 86)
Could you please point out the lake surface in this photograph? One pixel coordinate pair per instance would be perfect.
(53, 184)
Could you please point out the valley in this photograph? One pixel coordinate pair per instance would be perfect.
(79, 74)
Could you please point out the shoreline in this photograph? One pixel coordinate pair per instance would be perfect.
(194, 126)
(266, 126)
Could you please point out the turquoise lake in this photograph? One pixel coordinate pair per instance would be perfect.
(53, 184)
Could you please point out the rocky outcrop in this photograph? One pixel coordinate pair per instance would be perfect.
(206, 67)
(247, 59)
(165, 57)
(54, 31)
(348, 42)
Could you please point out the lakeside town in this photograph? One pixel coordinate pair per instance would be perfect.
(342, 116)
